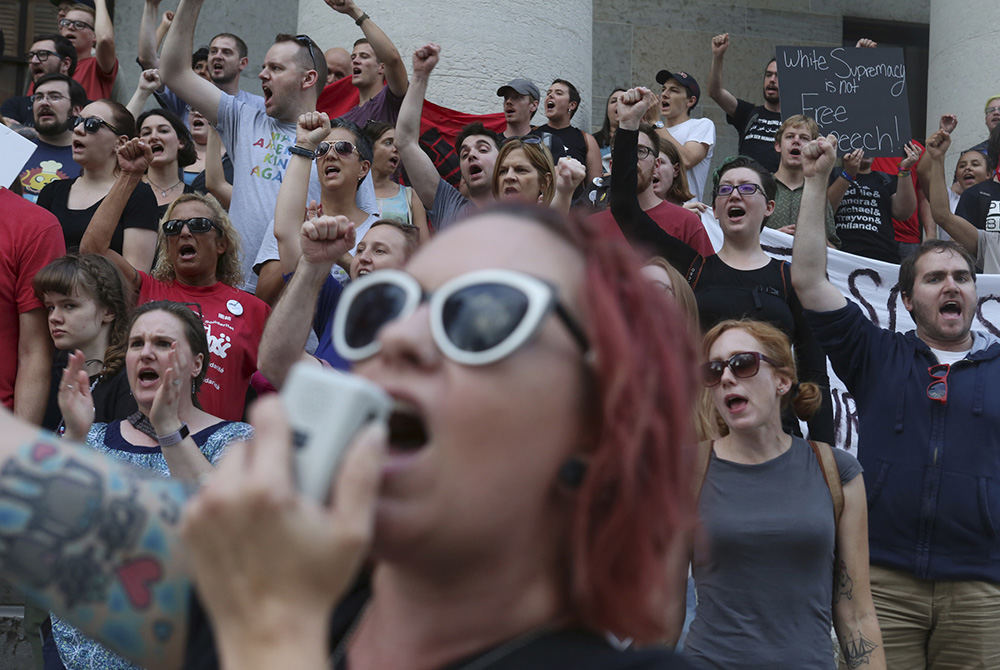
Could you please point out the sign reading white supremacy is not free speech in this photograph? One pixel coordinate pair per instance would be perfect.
(857, 94)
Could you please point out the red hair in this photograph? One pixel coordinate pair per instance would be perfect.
(635, 503)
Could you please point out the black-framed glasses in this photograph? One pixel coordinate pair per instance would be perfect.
(41, 54)
(92, 124)
(475, 319)
(49, 96)
(938, 388)
(746, 190)
(743, 364)
(198, 224)
(307, 42)
(77, 25)
(342, 147)
(644, 152)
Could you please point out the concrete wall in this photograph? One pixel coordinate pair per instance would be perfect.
(482, 46)
(633, 39)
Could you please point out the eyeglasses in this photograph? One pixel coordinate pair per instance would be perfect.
(77, 25)
(991, 110)
(42, 55)
(92, 124)
(342, 147)
(51, 96)
(198, 224)
(643, 152)
(938, 388)
(307, 42)
(744, 364)
(745, 190)
(476, 318)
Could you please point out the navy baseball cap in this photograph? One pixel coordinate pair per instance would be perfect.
(521, 87)
(684, 79)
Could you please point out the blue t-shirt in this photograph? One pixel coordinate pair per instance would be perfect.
(49, 163)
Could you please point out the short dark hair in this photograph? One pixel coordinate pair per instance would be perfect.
(411, 234)
(650, 132)
(908, 268)
(766, 178)
(574, 95)
(186, 153)
(121, 118)
(476, 128)
(194, 333)
(241, 46)
(361, 140)
(374, 130)
(64, 48)
(77, 94)
(200, 55)
(310, 56)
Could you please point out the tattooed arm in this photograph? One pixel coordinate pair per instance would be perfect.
(94, 541)
(853, 610)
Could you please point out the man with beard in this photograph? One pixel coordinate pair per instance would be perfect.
(757, 125)
(56, 101)
(47, 54)
(929, 435)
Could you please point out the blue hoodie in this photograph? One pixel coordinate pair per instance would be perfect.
(932, 469)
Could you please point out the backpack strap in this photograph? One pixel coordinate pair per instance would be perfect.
(702, 459)
(785, 265)
(831, 473)
(694, 271)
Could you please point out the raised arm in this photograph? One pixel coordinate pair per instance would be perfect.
(147, 35)
(385, 50)
(104, 31)
(424, 177)
(637, 226)
(595, 167)
(904, 200)
(931, 171)
(133, 159)
(691, 152)
(215, 173)
(175, 63)
(722, 97)
(812, 287)
(324, 239)
(568, 174)
(854, 615)
(852, 164)
(149, 81)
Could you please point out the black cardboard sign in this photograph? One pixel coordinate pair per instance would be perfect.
(859, 95)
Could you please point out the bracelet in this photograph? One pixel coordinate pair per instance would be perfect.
(904, 172)
(845, 175)
(302, 151)
(176, 437)
(361, 19)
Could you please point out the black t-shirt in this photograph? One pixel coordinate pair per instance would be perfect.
(980, 205)
(757, 127)
(566, 141)
(864, 217)
(139, 212)
(112, 397)
(572, 648)
(162, 209)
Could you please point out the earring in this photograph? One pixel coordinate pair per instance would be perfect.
(572, 472)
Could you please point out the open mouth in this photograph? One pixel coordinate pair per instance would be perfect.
(148, 375)
(511, 190)
(475, 170)
(393, 162)
(267, 92)
(186, 252)
(331, 170)
(550, 105)
(77, 145)
(356, 72)
(735, 212)
(951, 309)
(795, 151)
(407, 430)
(735, 403)
(156, 148)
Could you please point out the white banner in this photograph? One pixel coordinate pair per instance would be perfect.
(873, 285)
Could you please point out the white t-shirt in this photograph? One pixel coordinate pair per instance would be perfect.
(258, 146)
(953, 199)
(950, 357)
(696, 130)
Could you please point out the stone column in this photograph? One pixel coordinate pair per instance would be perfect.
(960, 79)
(483, 44)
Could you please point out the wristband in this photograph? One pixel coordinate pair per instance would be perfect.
(361, 19)
(845, 175)
(302, 151)
(904, 172)
(176, 437)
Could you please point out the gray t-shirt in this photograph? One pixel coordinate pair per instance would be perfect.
(449, 205)
(764, 576)
(988, 251)
(258, 146)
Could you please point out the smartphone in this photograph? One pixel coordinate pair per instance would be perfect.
(326, 409)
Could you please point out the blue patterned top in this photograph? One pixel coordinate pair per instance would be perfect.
(77, 651)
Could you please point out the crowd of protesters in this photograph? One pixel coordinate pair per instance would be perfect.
(612, 439)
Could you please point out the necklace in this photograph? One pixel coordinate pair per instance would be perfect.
(486, 660)
(164, 191)
(142, 424)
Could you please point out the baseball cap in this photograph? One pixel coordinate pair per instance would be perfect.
(521, 87)
(684, 79)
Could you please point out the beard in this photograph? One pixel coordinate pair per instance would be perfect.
(771, 96)
(52, 127)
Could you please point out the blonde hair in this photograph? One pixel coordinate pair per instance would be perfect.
(227, 268)
(805, 398)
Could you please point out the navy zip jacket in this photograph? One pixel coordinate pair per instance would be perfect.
(932, 469)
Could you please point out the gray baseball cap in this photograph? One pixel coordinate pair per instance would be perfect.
(521, 87)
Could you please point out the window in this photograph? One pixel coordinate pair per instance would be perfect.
(20, 21)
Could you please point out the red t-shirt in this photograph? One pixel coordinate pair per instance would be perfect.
(234, 321)
(30, 237)
(680, 222)
(96, 83)
(909, 230)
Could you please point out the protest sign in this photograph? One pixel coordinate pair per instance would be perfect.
(859, 95)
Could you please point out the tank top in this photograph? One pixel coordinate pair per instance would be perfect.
(396, 207)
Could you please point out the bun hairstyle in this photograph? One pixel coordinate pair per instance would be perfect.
(805, 398)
